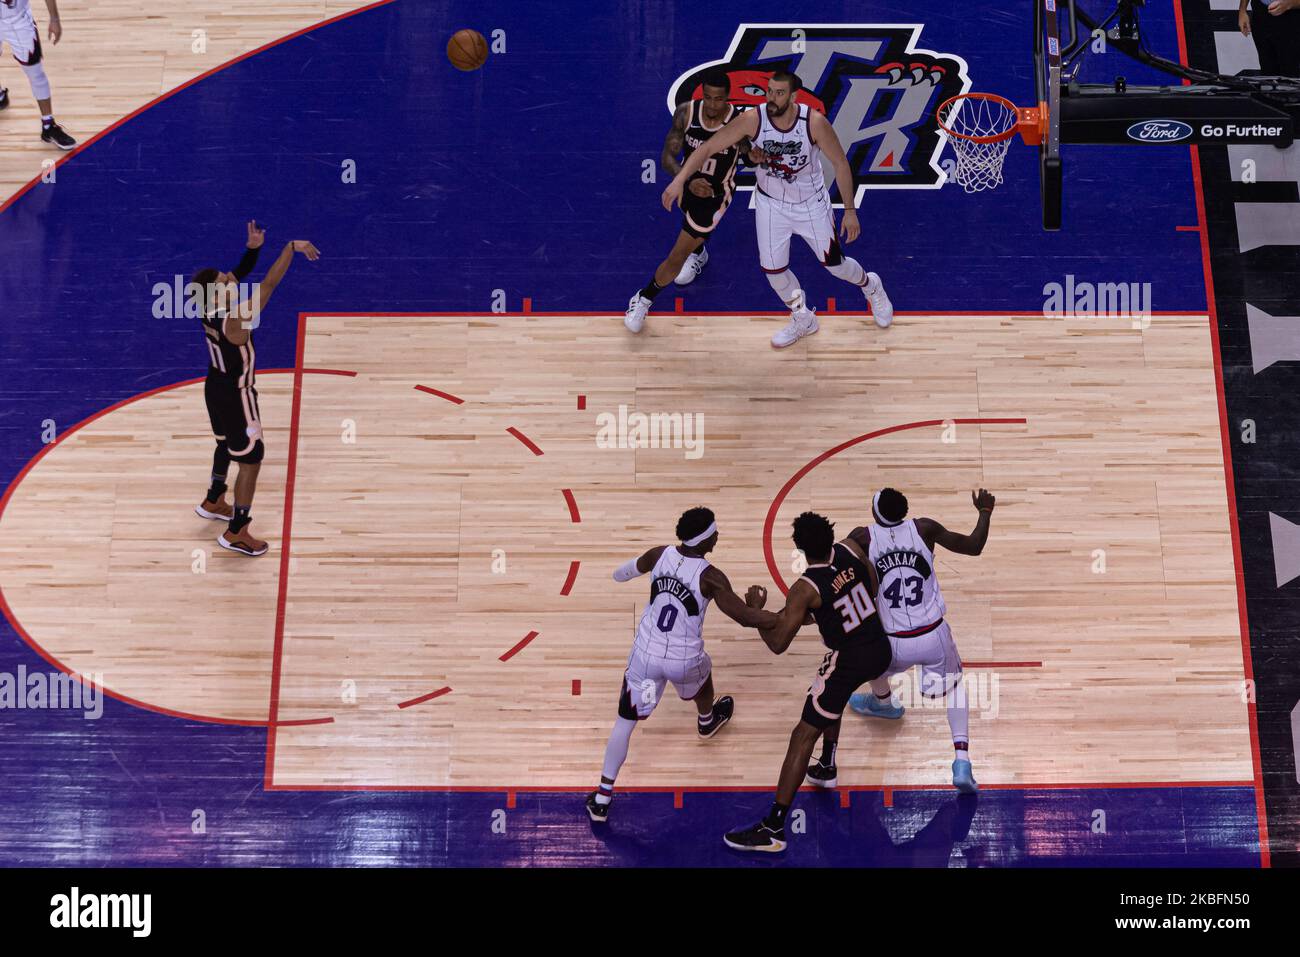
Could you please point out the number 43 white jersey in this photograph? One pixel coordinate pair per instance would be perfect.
(909, 600)
(672, 624)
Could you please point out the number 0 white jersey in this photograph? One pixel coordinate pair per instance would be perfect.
(673, 622)
(793, 172)
(909, 600)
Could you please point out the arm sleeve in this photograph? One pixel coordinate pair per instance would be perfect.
(627, 571)
(246, 263)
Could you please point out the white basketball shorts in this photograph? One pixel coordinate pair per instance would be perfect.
(936, 653)
(647, 675)
(21, 35)
(775, 222)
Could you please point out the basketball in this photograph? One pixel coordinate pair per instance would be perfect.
(467, 50)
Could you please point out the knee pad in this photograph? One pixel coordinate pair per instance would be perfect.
(36, 76)
(253, 456)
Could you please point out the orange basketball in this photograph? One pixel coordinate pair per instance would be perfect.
(467, 50)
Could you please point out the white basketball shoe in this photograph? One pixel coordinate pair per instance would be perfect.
(692, 268)
(637, 308)
(882, 310)
(803, 322)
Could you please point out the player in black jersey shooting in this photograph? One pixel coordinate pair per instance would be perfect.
(230, 389)
(707, 194)
(837, 592)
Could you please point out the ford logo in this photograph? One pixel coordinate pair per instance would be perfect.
(1159, 131)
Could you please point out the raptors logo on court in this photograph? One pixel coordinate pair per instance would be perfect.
(875, 85)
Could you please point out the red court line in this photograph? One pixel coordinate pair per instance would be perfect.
(577, 687)
(758, 789)
(286, 533)
(302, 721)
(1188, 229)
(440, 394)
(582, 402)
(604, 313)
(22, 633)
(888, 795)
(187, 84)
(830, 304)
(526, 440)
(794, 480)
(572, 577)
(1261, 810)
(573, 506)
(510, 799)
(425, 697)
(519, 647)
(1002, 664)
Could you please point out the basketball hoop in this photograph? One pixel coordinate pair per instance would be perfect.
(980, 127)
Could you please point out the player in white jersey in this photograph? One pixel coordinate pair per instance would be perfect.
(912, 612)
(669, 643)
(18, 29)
(792, 198)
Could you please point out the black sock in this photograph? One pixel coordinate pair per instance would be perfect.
(217, 488)
(240, 520)
(652, 290)
(776, 817)
(828, 752)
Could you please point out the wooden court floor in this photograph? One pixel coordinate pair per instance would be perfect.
(442, 613)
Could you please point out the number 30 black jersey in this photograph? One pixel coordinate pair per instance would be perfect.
(847, 615)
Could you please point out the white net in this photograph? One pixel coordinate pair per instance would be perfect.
(980, 129)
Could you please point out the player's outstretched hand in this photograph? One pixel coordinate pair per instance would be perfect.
(756, 597)
(672, 194)
(849, 227)
(983, 500)
(56, 30)
(701, 188)
(307, 249)
(256, 236)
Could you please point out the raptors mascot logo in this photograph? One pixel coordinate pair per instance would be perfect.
(879, 90)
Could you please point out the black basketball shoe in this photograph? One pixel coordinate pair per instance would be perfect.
(760, 837)
(4, 98)
(597, 812)
(822, 775)
(54, 134)
(723, 709)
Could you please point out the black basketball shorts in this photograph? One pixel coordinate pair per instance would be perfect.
(842, 673)
(234, 415)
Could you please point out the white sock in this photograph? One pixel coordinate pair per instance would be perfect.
(616, 750)
(959, 719)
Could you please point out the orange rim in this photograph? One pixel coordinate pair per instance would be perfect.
(1030, 120)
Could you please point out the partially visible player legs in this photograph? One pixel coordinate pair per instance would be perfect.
(822, 773)
(237, 537)
(620, 738)
(774, 230)
(818, 230)
(963, 779)
(667, 271)
(214, 505)
(879, 702)
(712, 715)
(26, 38)
(769, 833)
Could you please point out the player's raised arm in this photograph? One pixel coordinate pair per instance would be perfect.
(742, 126)
(638, 566)
(799, 603)
(823, 135)
(714, 585)
(935, 534)
(253, 248)
(675, 141)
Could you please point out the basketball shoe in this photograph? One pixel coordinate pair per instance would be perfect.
(882, 310)
(723, 709)
(637, 308)
(220, 510)
(243, 542)
(803, 322)
(692, 268)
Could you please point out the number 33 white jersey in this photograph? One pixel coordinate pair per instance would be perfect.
(672, 624)
(909, 600)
